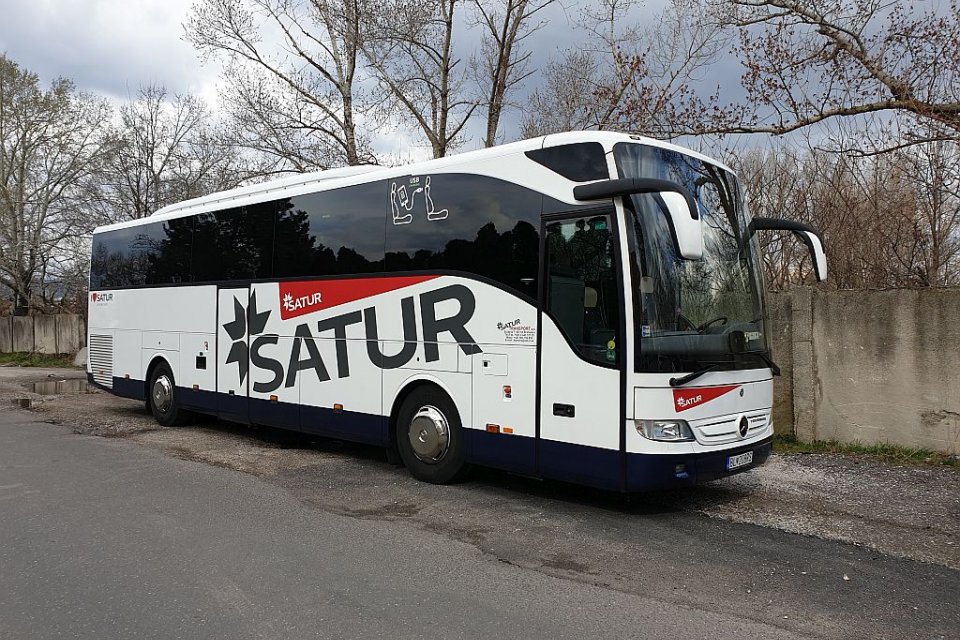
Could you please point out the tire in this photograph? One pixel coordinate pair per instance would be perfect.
(162, 398)
(424, 417)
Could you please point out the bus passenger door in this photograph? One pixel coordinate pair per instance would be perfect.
(233, 360)
(581, 350)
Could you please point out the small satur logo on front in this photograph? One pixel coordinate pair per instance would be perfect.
(508, 325)
(689, 402)
(101, 297)
(295, 304)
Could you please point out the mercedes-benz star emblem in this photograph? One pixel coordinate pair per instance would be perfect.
(744, 426)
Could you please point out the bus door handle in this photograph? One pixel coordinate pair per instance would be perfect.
(563, 410)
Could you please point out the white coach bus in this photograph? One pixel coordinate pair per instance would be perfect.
(582, 306)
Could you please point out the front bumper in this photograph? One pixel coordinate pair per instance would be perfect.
(646, 472)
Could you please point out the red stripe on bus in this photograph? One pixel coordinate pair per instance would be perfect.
(684, 399)
(300, 297)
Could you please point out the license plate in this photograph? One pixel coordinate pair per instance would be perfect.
(739, 460)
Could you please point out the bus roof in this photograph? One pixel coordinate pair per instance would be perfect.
(345, 176)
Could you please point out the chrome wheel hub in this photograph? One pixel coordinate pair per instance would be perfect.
(162, 394)
(429, 435)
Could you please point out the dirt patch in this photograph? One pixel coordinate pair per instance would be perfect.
(908, 511)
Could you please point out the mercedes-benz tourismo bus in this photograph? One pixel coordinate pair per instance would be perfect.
(583, 306)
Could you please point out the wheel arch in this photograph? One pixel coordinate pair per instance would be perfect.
(154, 363)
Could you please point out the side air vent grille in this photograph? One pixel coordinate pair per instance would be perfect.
(100, 352)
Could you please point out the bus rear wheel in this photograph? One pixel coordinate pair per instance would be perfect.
(162, 397)
(430, 436)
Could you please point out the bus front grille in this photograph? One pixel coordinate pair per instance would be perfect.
(101, 359)
(725, 429)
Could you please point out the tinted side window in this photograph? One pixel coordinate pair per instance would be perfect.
(171, 253)
(468, 223)
(147, 254)
(234, 244)
(578, 162)
(331, 233)
(582, 292)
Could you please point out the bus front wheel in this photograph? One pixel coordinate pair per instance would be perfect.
(162, 397)
(430, 436)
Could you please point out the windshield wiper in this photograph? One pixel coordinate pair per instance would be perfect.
(690, 377)
(766, 359)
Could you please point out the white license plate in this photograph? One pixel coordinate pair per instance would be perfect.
(739, 460)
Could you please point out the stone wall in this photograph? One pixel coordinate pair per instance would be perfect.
(869, 366)
(62, 333)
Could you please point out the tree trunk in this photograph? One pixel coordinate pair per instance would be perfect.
(21, 304)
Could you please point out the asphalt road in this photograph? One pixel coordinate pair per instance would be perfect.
(105, 538)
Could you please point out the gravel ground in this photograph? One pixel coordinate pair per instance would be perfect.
(904, 511)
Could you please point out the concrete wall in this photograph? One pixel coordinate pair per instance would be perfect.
(71, 333)
(22, 333)
(62, 333)
(870, 366)
(6, 334)
(45, 334)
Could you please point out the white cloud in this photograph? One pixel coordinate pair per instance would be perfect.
(110, 47)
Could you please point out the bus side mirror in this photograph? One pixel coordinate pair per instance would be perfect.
(680, 207)
(807, 234)
(685, 222)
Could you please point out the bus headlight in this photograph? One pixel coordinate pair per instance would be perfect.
(665, 430)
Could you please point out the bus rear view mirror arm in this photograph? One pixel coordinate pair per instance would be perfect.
(678, 203)
(806, 233)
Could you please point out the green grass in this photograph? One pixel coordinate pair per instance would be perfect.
(35, 360)
(886, 452)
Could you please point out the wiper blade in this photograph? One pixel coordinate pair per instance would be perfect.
(690, 377)
(770, 363)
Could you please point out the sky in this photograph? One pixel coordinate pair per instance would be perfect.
(112, 47)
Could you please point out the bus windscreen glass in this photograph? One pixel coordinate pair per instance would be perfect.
(693, 314)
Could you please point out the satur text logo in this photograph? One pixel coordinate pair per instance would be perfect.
(305, 354)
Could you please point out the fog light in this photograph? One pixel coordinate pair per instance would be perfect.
(680, 468)
(665, 430)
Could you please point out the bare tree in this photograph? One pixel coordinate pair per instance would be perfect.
(410, 48)
(49, 141)
(812, 61)
(629, 77)
(168, 150)
(933, 170)
(503, 64)
(889, 220)
(566, 99)
(292, 72)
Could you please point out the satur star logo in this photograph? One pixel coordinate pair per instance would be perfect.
(237, 330)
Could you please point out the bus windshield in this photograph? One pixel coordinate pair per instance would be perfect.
(692, 314)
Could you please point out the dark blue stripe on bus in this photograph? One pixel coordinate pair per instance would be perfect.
(232, 407)
(578, 463)
(355, 426)
(658, 471)
(127, 388)
(276, 414)
(501, 451)
(197, 399)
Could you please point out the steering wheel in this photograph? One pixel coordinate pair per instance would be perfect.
(708, 323)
